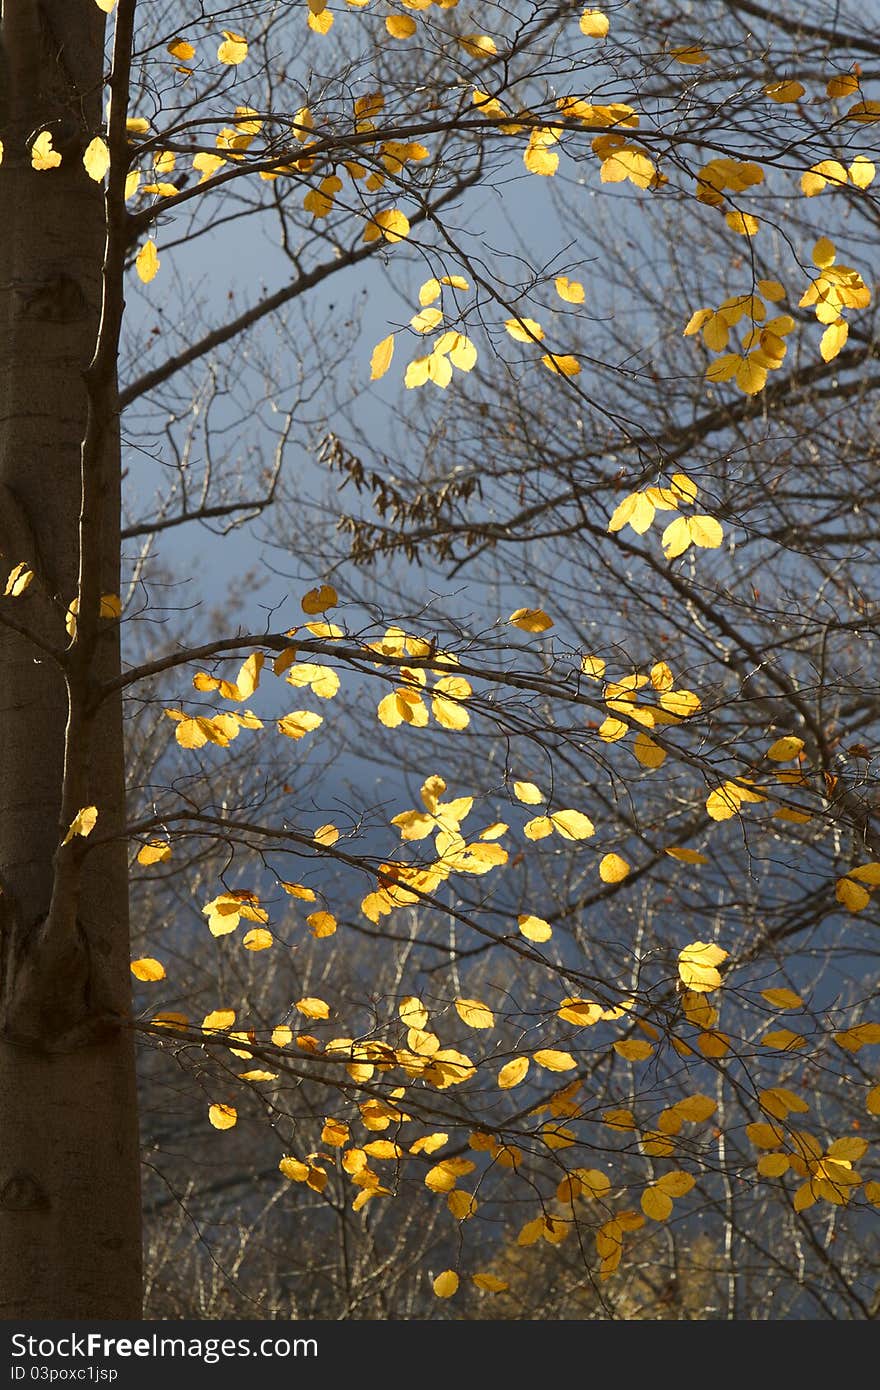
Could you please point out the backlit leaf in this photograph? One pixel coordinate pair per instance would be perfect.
(223, 1116)
(474, 1014)
(147, 262)
(96, 159)
(148, 969)
(512, 1073)
(233, 50)
(380, 360)
(530, 619)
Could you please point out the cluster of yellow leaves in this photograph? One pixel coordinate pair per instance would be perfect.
(657, 1199)
(721, 175)
(852, 890)
(526, 330)
(226, 911)
(194, 731)
(829, 1173)
(861, 174)
(698, 966)
(20, 577)
(622, 160)
(834, 289)
(638, 510)
(568, 824)
(726, 800)
(763, 345)
(450, 349)
(621, 697)
(405, 704)
(401, 884)
(244, 685)
(701, 1015)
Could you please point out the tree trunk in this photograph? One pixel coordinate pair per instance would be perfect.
(69, 1189)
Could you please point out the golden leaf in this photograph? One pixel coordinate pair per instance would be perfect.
(147, 969)
(530, 619)
(513, 1072)
(223, 1116)
(147, 262)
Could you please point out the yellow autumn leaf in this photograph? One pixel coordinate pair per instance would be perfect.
(687, 856)
(223, 1116)
(154, 852)
(862, 171)
(400, 26)
(824, 253)
(181, 49)
(512, 1073)
(678, 1183)
(784, 1040)
(696, 1108)
(462, 1205)
(43, 156)
(233, 50)
(446, 1284)
(390, 223)
(656, 1203)
(782, 998)
(851, 895)
(380, 360)
(554, 1060)
(691, 54)
(572, 825)
(524, 330)
(564, 364)
(321, 924)
(534, 928)
(82, 824)
(257, 939)
(312, 1008)
(773, 1165)
(785, 92)
(530, 619)
(572, 291)
(490, 1283)
(833, 339)
(613, 869)
(218, 1020)
(298, 723)
(648, 753)
(96, 159)
(583, 1013)
(593, 24)
(20, 578)
(633, 1049)
(528, 793)
(784, 749)
(743, 223)
(319, 600)
(147, 262)
(293, 1169)
(147, 968)
(697, 966)
(474, 1014)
